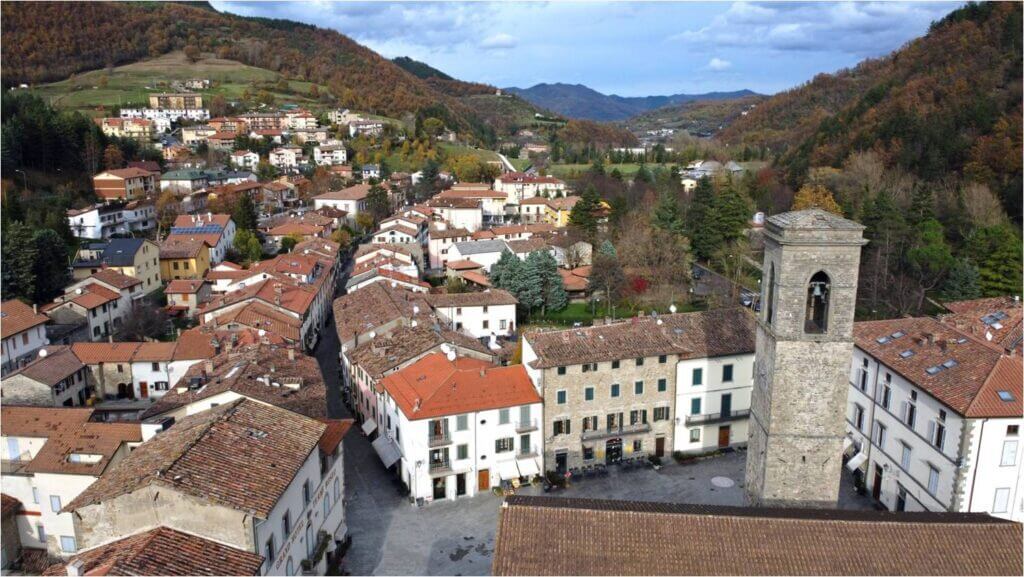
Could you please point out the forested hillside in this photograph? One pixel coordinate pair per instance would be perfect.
(947, 104)
(50, 41)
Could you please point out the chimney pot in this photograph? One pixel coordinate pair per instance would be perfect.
(291, 354)
(208, 365)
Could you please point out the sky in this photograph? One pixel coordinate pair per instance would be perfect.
(624, 48)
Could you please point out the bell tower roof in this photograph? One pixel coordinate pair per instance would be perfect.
(813, 219)
(814, 226)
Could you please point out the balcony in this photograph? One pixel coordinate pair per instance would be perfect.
(440, 467)
(526, 426)
(440, 440)
(616, 432)
(711, 418)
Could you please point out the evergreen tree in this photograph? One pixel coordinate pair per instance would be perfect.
(732, 212)
(668, 215)
(643, 175)
(922, 205)
(50, 268)
(377, 202)
(597, 168)
(247, 245)
(963, 282)
(530, 284)
(584, 213)
(18, 262)
(996, 250)
(547, 290)
(504, 273)
(704, 236)
(244, 213)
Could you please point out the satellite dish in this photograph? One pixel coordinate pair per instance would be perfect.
(394, 284)
(451, 356)
(672, 309)
(414, 324)
(262, 332)
(373, 334)
(988, 335)
(415, 309)
(78, 291)
(659, 321)
(42, 353)
(445, 348)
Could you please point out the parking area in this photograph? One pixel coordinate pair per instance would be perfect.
(457, 538)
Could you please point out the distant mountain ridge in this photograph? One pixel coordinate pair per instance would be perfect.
(579, 101)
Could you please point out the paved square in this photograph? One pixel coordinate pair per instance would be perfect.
(457, 537)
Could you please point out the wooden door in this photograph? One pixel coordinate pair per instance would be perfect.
(659, 447)
(876, 487)
(723, 436)
(483, 480)
(144, 389)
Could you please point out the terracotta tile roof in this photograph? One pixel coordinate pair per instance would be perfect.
(591, 540)
(183, 246)
(563, 202)
(411, 219)
(260, 316)
(127, 172)
(154, 352)
(413, 232)
(300, 228)
(58, 364)
(949, 365)
(356, 192)
(336, 431)
(490, 297)
(96, 442)
(284, 293)
(16, 317)
(529, 229)
(95, 353)
(535, 200)
(527, 245)
(483, 234)
(243, 370)
(10, 505)
(16, 421)
(163, 551)
(434, 386)
(191, 220)
(215, 275)
(115, 279)
(572, 282)
(383, 353)
(380, 261)
(463, 264)
(1000, 317)
(331, 212)
(198, 342)
(241, 455)
(455, 203)
(714, 333)
(370, 248)
(318, 246)
(183, 286)
(470, 193)
(374, 306)
(67, 431)
(476, 278)
(435, 233)
(88, 296)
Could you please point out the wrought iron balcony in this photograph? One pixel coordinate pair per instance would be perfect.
(526, 426)
(711, 418)
(442, 466)
(440, 440)
(617, 431)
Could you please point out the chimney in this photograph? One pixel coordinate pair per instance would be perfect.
(74, 568)
(273, 368)
(930, 337)
(291, 354)
(35, 308)
(208, 366)
(110, 338)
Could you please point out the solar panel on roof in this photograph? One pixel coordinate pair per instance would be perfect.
(205, 229)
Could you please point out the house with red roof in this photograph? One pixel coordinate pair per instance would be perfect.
(23, 332)
(456, 426)
(934, 413)
(102, 301)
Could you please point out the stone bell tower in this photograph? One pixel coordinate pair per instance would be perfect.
(802, 363)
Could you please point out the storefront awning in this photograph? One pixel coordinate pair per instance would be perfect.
(507, 470)
(854, 463)
(369, 426)
(387, 451)
(529, 467)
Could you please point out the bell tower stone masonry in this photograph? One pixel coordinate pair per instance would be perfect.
(804, 347)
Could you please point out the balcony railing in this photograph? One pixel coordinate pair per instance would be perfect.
(527, 452)
(710, 418)
(442, 466)
(526, 426)
(437, 440)
(618, 431)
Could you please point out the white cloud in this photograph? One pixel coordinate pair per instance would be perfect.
(499, 41)
(718, 64)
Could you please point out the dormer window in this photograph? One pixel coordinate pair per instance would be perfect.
(818, 289)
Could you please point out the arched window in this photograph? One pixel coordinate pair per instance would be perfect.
(770, 309)
(817, 304)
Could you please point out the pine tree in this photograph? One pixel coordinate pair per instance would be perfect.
(18, 261)
(922, 205)
(584, 213)
(50, 268)
(704, 235)
(531, 284)
(503, 273)
(963, 282)
(244, 213)
(996, 250)
(732, 212)
(668, 215)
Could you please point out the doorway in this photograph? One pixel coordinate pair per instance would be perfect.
(723, 436)
(659, 447)
(901, 499)
(613, 451)
(561, 462)
(726, 404)
(876, 487)
(440, 488)
(483, 481)
(144, 389)
(460, 484)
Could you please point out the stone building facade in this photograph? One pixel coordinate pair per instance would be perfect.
(610, 390)
(804, 346)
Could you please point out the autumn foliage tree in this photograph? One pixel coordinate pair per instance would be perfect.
(816, 196)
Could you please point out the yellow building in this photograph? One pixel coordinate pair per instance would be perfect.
(558, 210)
(184, 258)
(135, 257)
